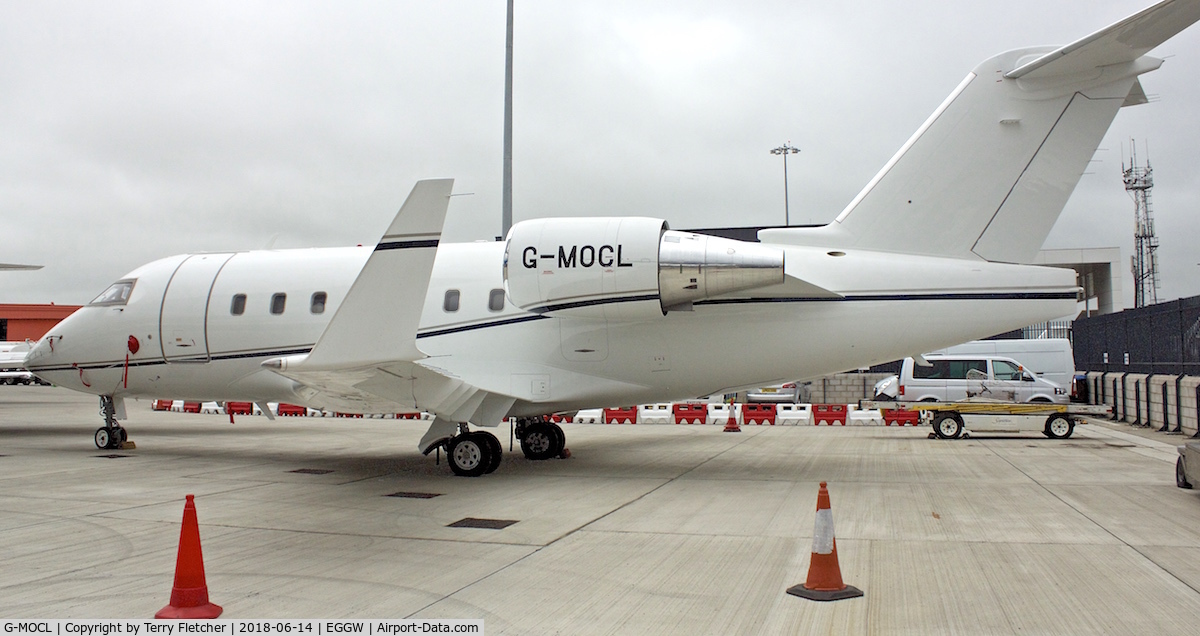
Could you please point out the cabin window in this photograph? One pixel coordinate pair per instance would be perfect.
(238, 306)
(451, 302)
(277, 303)
(318, 303)
(116, 294)
(496, 300)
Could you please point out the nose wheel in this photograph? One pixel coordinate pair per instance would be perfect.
(110, 438)
(112, 435)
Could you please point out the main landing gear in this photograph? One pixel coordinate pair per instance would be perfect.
(112, 435)
(473, 453)
(540, 438)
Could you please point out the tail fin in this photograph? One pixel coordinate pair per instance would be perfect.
(989, 172)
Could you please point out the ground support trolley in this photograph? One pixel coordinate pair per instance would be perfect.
(949, 420)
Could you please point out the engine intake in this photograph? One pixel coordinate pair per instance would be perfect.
(627, 267)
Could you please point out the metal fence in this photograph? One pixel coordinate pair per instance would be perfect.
(1159, 339)
(1051, 329)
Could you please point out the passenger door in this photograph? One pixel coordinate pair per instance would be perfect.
(183, 320)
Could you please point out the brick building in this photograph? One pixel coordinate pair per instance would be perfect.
(18, 322)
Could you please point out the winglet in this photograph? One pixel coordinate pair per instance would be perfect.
(377, 322)
(1124, 41)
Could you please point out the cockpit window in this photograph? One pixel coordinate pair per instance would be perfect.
(116, 294)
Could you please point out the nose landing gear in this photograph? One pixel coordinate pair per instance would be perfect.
(112, 435)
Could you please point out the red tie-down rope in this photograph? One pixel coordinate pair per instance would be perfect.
(85, 382)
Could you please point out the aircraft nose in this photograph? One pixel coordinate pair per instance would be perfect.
(42, 353)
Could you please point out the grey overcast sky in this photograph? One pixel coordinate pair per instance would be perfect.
(133, 130)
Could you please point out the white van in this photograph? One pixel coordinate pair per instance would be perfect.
(955, 378)
(1049, 358)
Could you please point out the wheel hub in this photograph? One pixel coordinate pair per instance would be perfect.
(467, 455)
(538, 442)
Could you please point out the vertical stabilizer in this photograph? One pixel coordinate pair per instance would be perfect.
(986, 176)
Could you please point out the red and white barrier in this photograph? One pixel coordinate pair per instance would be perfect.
(901, 418)
(718, 413)
(239, 408)
(865, 417)
(658, 413)
(689, 413)
(758, 414)
(793, 414)
(655, 414)
(829, 414)
(589, 416)
(623, 415)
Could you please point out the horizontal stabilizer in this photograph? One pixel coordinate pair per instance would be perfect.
(1124, 41)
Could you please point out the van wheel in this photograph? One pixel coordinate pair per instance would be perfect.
(1059, 427)
(948, 425)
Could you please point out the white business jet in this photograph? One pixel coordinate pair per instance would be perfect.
(571, 313)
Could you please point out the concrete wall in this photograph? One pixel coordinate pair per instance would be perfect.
(844, 388)
(1139, 399)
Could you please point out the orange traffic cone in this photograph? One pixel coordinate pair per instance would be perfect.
(824, 574)
(189, 596)
(732, 426)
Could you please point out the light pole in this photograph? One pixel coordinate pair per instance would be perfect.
(785, 150)
(506, 186)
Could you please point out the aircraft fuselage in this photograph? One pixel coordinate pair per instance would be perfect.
(183, 332)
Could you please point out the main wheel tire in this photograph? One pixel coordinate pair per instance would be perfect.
(1059, 427)
(539, 441)
(560, 439)
(468, 455)
(1181, 475)
(495, 450)
(947, 425)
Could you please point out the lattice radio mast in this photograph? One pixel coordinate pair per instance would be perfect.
(1138, 182)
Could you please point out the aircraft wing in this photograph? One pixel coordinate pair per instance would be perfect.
(378, 320)
(365, 361)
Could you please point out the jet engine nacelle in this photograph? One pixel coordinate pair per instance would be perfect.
(627, 267)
